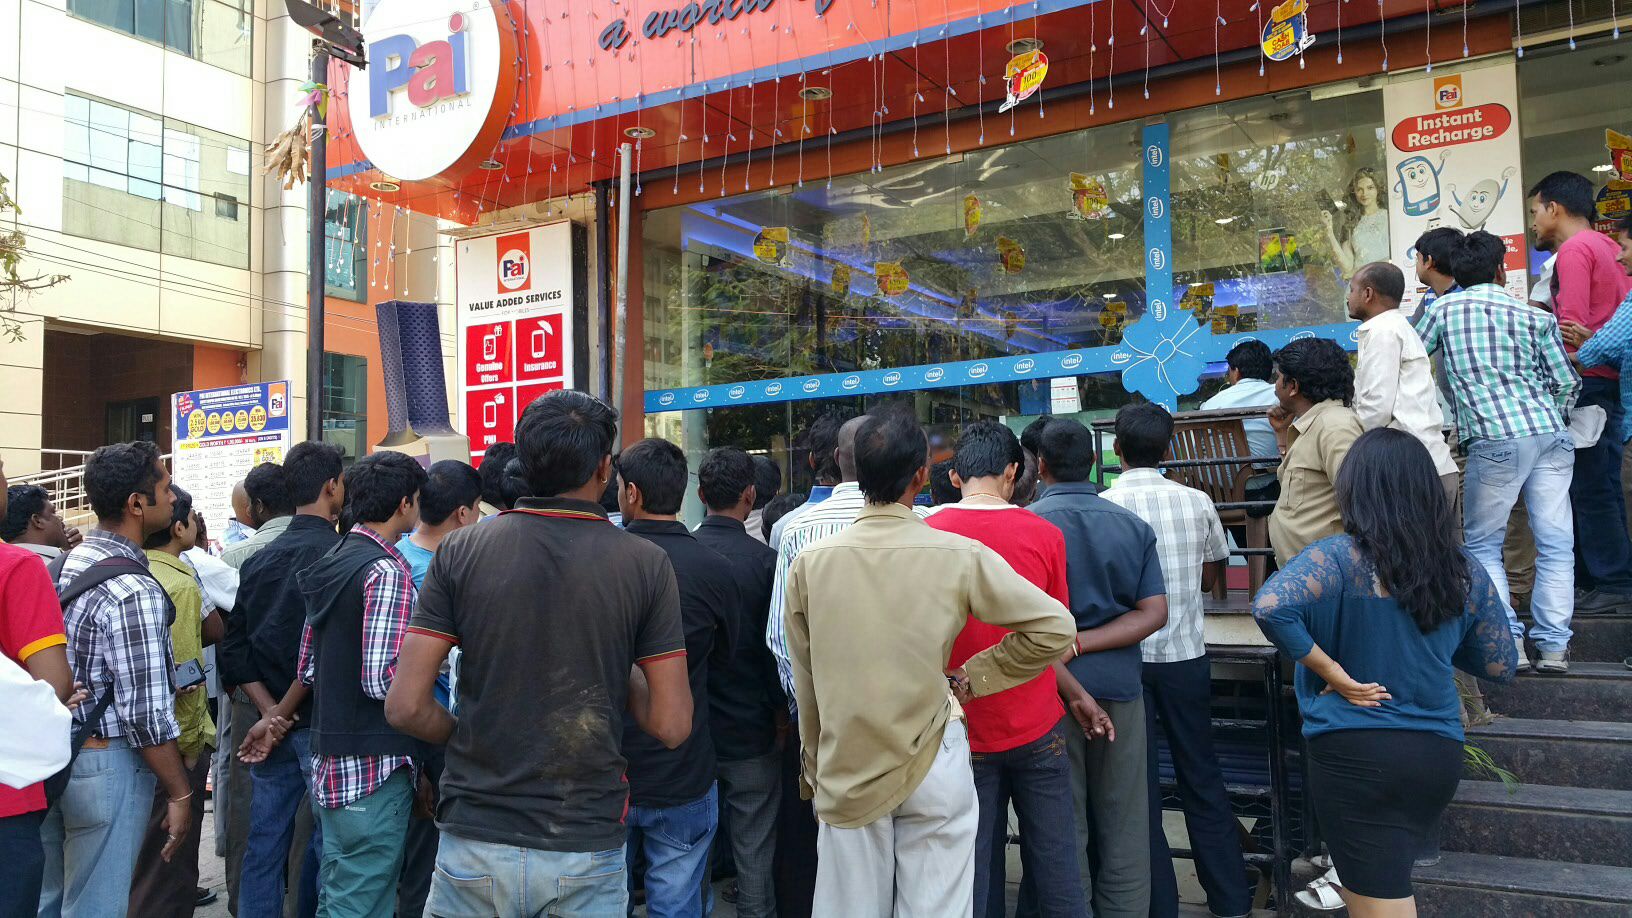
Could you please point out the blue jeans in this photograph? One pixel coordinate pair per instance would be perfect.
(675, 840)
(1539, 468)
(1603, 553)
(91, 837)
(1037, 778)
(476, 878)
(280, 788)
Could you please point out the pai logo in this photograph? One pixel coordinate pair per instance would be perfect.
(433, 72)
(1448, 92)
(515, 263)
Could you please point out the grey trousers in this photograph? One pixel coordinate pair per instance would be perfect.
(750, 790)
(235, 792)
(1108, 782)
(917, 861)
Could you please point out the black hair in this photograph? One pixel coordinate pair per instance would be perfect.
(1319, 367)
(658, 468)
(1143, 433)
(822, 439)
(1251, 359)
(449, 485)
(495, 462)
(609, 494)
(1569, 190)
(309, 466)
(767, 481)
(377, 484)
(890, 449)
(1395, 509)
(986, 448)
(1478, 260)
(561, 440)
(1068, 448)
(22, 503)
(726, 472)
(268, 485)
(779, 507)
(1439, 246)
(1025, 484)
(1033, 434)
(116, 471)
(941, 489)
(180, 512)
(1385, 277)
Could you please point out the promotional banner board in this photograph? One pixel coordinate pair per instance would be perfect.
(220, 434)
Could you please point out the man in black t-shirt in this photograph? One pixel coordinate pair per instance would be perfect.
(674, 806)
(566, 625)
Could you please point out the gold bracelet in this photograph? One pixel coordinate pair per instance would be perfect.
(182, 799)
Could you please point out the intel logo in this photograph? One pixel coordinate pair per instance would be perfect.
(773, 390)
(1120, 357)
(850, 382)
(1025, 366)
(892, 378)
(1302, 335)
(978, 370)
(811, 385)
(935, 374)
(737, 391)
(666, 398)
(701, 395)
(1071, 361)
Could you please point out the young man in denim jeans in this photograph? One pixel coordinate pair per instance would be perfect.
(1514, 388)
(567, 627)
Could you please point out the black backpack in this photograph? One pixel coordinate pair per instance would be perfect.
(90, 578)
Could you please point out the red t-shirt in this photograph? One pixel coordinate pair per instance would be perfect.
(30, 621)
(1035, 548)
(1589, 285)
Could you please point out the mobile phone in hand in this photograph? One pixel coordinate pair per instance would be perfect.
(189, 674)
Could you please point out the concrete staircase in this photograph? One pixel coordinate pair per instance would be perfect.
(1559, 845)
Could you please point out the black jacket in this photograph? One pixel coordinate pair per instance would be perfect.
(744, 693)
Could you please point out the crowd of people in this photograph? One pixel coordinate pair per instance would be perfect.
(531, 688)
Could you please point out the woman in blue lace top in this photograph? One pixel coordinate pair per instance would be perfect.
(1376, 618)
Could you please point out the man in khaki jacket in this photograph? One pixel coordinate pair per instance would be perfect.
(871, 614)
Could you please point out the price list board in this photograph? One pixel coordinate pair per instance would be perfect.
(223, 433)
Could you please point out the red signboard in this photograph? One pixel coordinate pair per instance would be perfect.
(489, 351)
(538, 347)
(490, 417)
(1450, 128)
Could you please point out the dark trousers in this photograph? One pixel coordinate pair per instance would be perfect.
(1037, 778)
(1178, 695)
(170, 890)
(24, 861)
(794, 867)
(750, 796)
(1603, 554)
(419, 860)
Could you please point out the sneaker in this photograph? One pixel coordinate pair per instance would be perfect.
(1556, 662)
(1597, 602)
(1524, 655)
(204, 897)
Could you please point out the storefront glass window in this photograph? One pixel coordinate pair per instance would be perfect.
(215, 32)
(345, 404)
(345, 228)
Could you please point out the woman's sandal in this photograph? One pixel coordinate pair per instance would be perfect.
(1321, 894)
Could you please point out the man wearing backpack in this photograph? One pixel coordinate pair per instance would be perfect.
(119, 646)
(32, 636)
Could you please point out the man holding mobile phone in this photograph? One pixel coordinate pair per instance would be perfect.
(163, 888)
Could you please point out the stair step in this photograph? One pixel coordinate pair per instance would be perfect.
(1590, 691)
(1598, 638)
(1490, 886)
(1578, 824)
(1566, 753)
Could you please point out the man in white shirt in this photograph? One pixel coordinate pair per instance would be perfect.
(1394, 380)
(1250, 387)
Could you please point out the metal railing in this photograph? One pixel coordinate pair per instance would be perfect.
(62, 473)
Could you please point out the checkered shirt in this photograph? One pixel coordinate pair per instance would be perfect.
(1188, 534)
(1505, 362)
(388, 603)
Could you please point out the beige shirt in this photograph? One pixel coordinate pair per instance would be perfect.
(870, 615)
(1394, 385)
(236, 555)
(1307, 509)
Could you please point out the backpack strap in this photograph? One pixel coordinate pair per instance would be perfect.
(97, 574)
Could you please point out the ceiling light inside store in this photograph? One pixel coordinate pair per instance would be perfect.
(1025, 45)
(815, 93)
(385, 186)
(639, 133)
(1226, 221)
(1117, 236)
(1606, 167)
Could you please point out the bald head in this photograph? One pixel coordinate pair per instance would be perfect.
(240, 505)
(845, 453)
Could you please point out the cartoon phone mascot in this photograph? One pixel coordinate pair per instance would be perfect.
(1418, 185)
(1475, 210)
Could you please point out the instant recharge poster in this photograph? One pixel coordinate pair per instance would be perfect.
(1453, 160)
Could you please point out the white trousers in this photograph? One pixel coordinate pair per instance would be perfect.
(918, 861)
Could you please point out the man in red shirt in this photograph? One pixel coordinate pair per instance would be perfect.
(1017, 737)
(1588, 286)
(31, 635)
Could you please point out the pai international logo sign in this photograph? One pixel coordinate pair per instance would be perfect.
(439, 86)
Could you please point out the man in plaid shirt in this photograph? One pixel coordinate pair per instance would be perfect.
(118, 645)
(359, 598)
(1176, 674)
(1514, 388)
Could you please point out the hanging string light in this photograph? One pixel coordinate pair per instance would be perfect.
(1518, 26)
(1218, 20)
(1260, 14)
(1035, 6)
(980, 84)
(1110, 68)
(1145, 10)
(1428, 33)
(1093, 49)
(1382, 32)
(1340, 28)
(950, 91)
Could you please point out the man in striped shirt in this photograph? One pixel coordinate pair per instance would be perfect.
(1514, 388)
